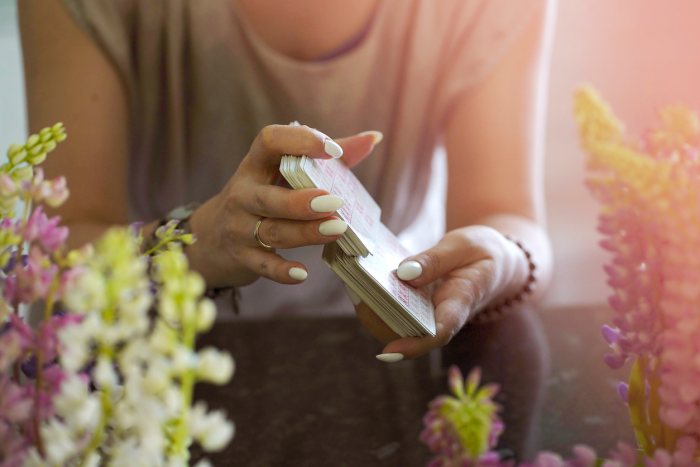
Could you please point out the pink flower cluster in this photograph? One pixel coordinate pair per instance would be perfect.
(650, 191)
(24, 405)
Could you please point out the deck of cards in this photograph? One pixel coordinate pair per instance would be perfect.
(368, 253)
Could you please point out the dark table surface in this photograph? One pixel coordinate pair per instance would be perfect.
(310, 392)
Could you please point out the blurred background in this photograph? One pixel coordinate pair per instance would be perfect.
(639, 53)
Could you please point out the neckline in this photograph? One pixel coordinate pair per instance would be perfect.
(263, 48)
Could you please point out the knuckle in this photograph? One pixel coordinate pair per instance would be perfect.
(289, 205)
(265, 267)
(432, 261)
(268, 136)
(259, 202)
(272, 233)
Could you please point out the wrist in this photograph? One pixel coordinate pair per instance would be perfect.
(198, 254)
(521, 284)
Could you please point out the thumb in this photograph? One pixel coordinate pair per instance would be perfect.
(430, 265)
(356, 148)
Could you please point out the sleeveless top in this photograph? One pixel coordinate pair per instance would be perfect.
(202, 84)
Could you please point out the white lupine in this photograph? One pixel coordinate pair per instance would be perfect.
(211, 430)
(93, 460)
(76, 405)
(203, 463)
(214, 366)
(163, 339)
(89, 293)
(184, 359)
(172, 398)
(58, 442)
(159, 375)
(103, 374)
(34, 459)
(75, 349)
(206, 314)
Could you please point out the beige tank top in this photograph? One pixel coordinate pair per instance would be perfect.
(202, 84)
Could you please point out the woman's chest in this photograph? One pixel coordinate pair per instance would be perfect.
(306, 29)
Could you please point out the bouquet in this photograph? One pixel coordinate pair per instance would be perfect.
(650, 192)
(107, 376)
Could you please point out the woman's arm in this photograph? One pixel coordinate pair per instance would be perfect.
(495, 188)
(68, 79)
(495, 147)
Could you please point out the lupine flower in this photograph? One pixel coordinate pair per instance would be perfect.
(651, 219)
(46, 231)
(466, 426)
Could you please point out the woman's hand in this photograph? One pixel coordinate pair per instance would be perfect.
(472, 266)
(226, 252)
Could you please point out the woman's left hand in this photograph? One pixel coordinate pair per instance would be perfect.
(472, 266)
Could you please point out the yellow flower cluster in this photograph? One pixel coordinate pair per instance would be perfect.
(656, 181)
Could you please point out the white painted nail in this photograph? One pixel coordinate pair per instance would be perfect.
(409, 270)
(390, 357)
(333, 227)
(326, 203)
(298, 274)
(377, 135)
(354, 298)
(332, 148)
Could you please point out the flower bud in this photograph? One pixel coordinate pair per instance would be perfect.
(8, 187)
(18, 157)
(104, 374)
(23, 173)
(49, 146)
(215, 366)
(38, 159)
(206, 314)
(32, 141)
(14, 149)
(188, 239)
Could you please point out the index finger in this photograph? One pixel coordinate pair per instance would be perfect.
(274, 141)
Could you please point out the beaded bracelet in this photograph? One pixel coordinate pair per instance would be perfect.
(497, 310)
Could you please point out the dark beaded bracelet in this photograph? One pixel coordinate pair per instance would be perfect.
(498, 309)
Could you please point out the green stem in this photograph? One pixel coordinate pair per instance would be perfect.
(187, 387)
(96, 440)
(18, 258)
(40, 365)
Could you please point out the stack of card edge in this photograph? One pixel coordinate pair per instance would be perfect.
(290, 167)
(372, 293)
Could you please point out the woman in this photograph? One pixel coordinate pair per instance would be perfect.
(169, 103)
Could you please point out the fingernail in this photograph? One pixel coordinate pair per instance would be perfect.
(409, 270)
(298, 274)
(332, 148)
(377, 135)
(326, 203)
(390, 357)
(354, 298)
(333, 227)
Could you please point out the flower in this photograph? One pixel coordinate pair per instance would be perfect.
(214, 366)
(211, 430)
(45, 230)
(650, 192)
(464, 426)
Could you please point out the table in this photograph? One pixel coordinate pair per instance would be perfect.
(310, 392)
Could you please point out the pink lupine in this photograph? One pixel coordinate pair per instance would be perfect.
(33, 282)
(46, 231)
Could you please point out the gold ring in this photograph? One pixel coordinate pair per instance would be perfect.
(257, 234)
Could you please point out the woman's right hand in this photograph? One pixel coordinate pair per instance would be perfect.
(226, 252)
